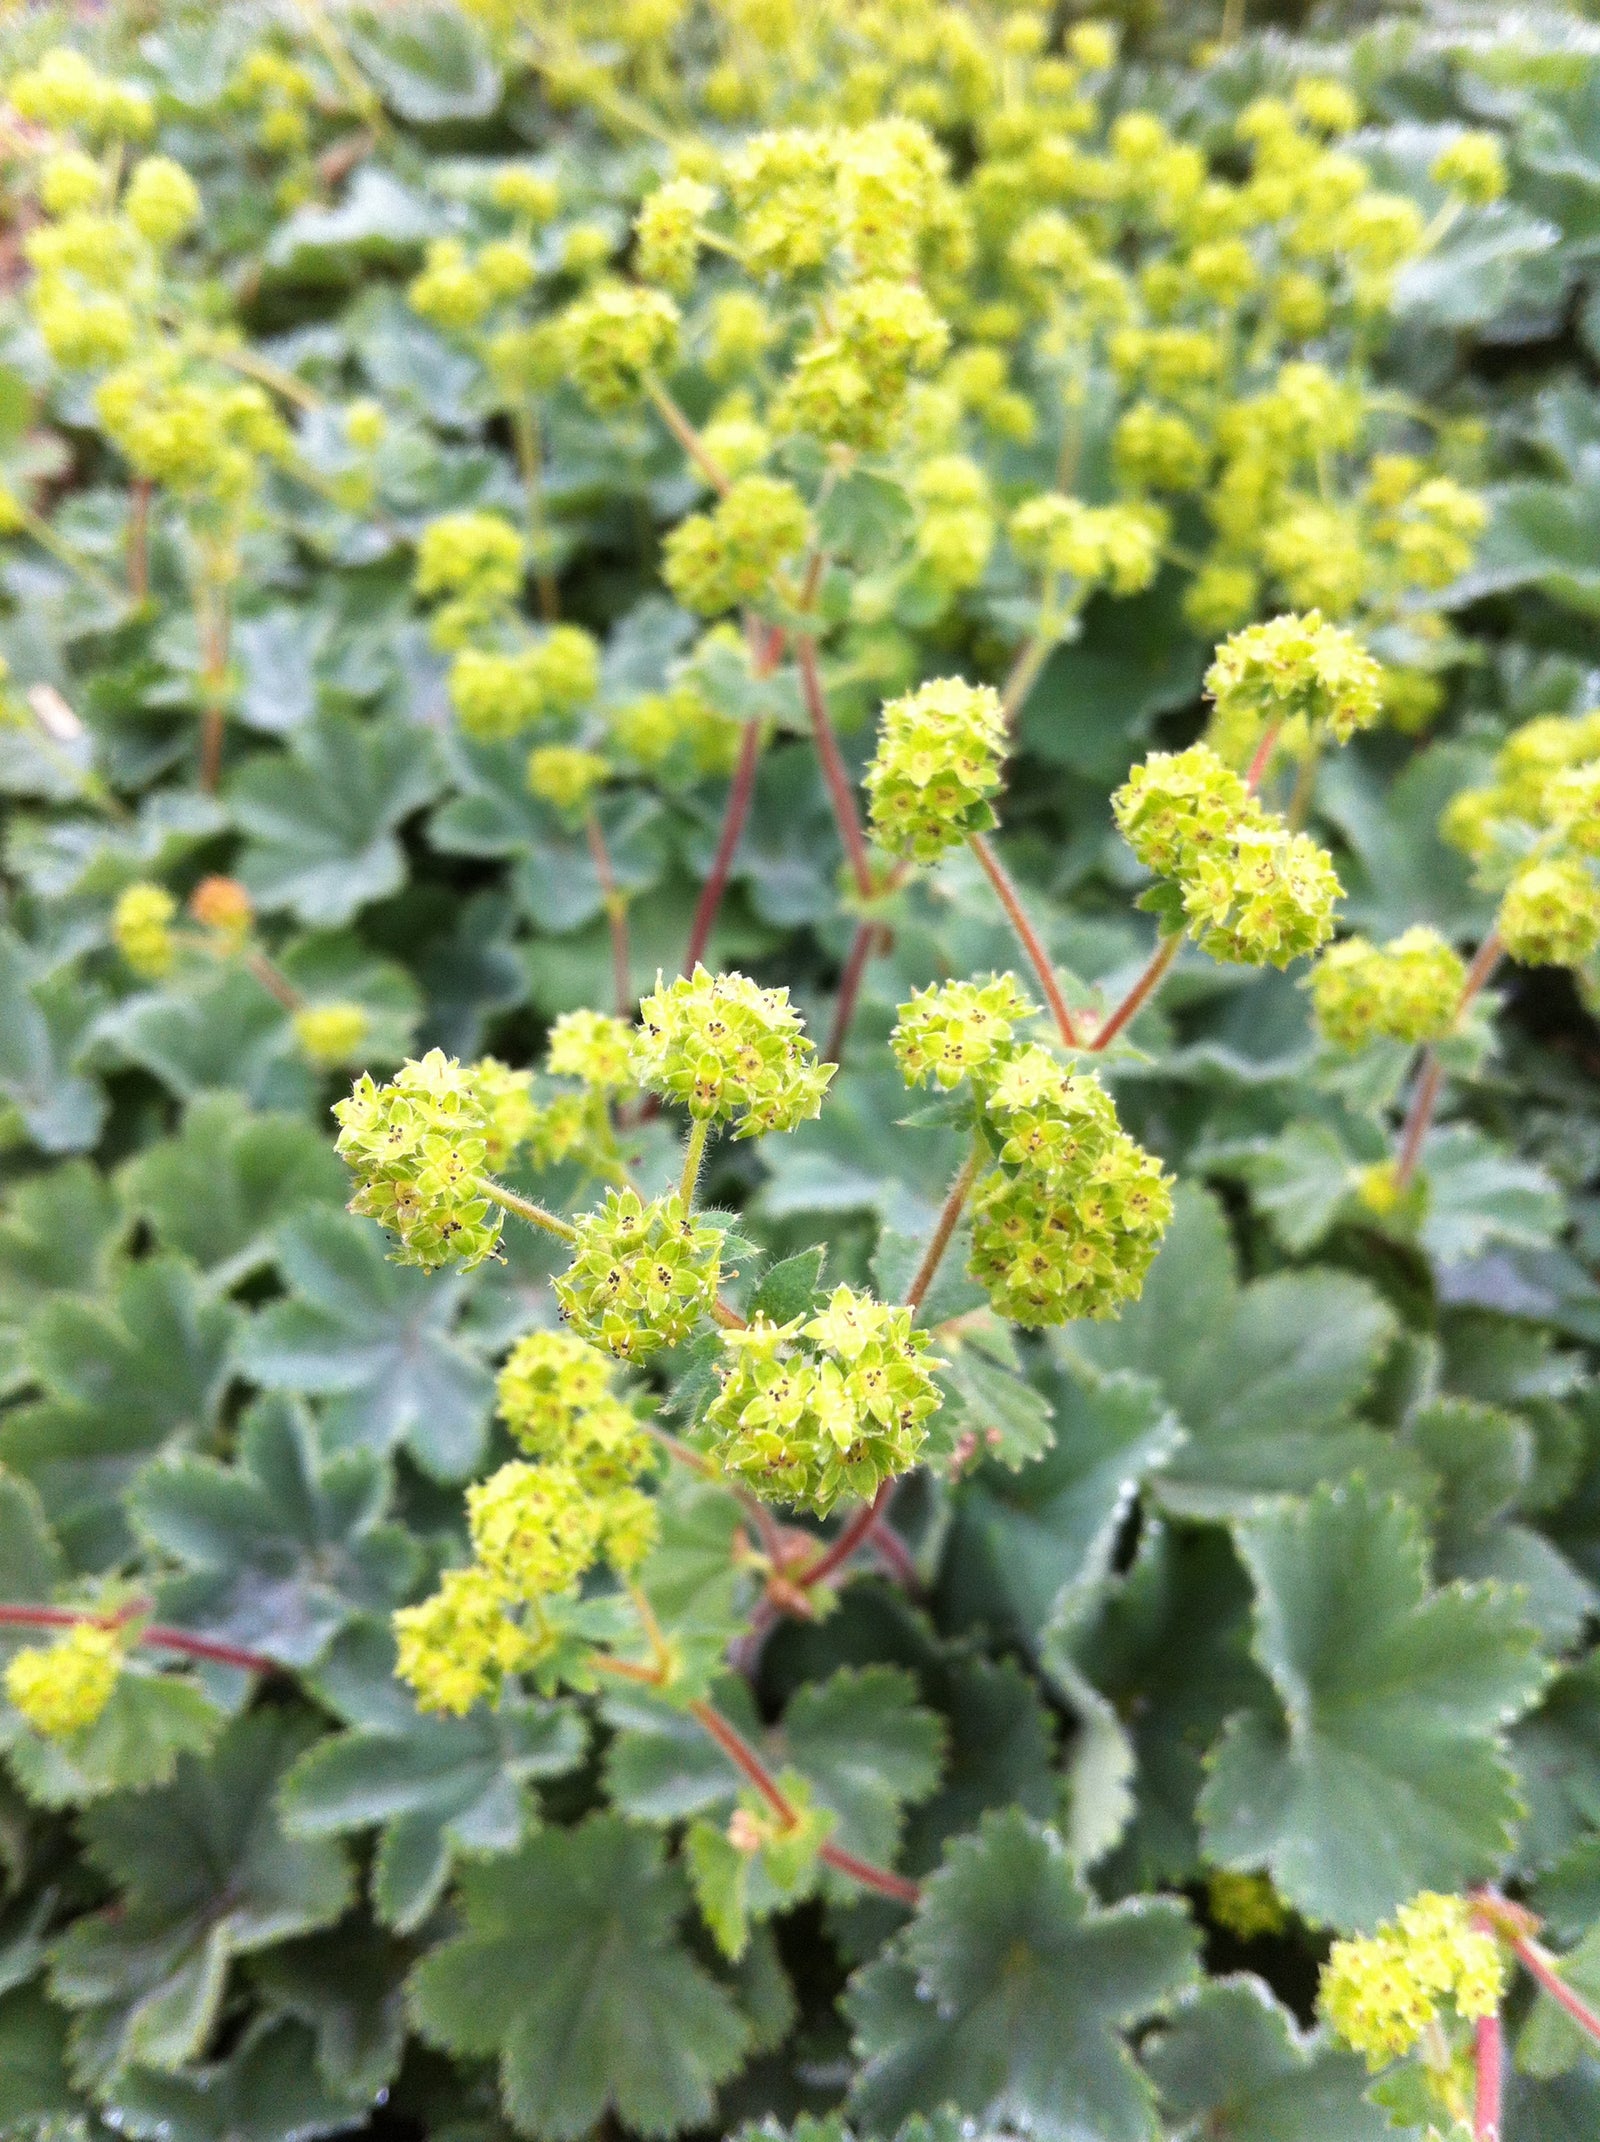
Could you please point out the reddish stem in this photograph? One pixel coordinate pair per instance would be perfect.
(1541, 1966)
(273, 980)
(862, 947)
(1144, 988)
(944, 1228)
(841, 793)
(1263, 758)
(748, 1763)
(616, 907)
(1488, 2049)
(139, 539)
(1027, 936)
(734, 817)
(855, 1534)
(1419, 1116)
(156, 1634)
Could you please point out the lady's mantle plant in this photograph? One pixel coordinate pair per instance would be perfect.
(814, 699)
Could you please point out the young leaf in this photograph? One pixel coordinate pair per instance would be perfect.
(1009, 1992)
(870, 1750)
(1385, 1771)
(569, 1968)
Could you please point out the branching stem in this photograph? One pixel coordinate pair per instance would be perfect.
(1488, 2060)
(687, 437)
(1166, 951)
(615, 902)
(944, 1228)
(526, 1209)
(735, 813)
(693, 1154)
(1425, 1099)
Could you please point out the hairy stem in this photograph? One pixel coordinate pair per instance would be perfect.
(1540, 1965)
(526, 1209)
(686, 435)
(841, 792)
(693, 1153)
(156, 1635)
(273, 980)
(1488, 2061)
(1027, 936)
(735, 813)
(138, 549)
(530, 463)
(211, 606)
(944, 1228)
(1143, 990)
(728, 1318)
(1031, 658)
(265, 373)
(748, 1763)
(1263, 757)
(615, 902)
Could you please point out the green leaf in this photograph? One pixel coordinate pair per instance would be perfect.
(125, 1380)
(283, 1547)
(1099, 694)
(570, 1969)
(347, 1986)
(1395, 868)
(375, 1340)
(206, 1873)
(320, 819)
(1540, 535)
(151, 1720)
(1008, 1994)
(58, 1233)
(1301, 1179)
(1483, 1461)
(270, 2090)
(1169, 1647)
(866, 518)
(1386, 1770)
(379, 223)
(1231, 2062)
(437, 1786)
(1028, 1549)
(61, 1111)
(217, 1190)
(870, 1750)
(429, 63)
(32, 1561)
(35, 2087)
(788, 1288)
(1479, 1194)
(1262, 1377)
(987, 1397)
(224, 1035)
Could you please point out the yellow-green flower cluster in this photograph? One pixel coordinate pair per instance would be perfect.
(280, 93)
(819, 1408)
(1407, 990)
(1381, 1991)
(955, 1030)
(1247, 1905)
(331, 1035)
(1550, 915)
(1472, 166)
(1293, 669)
(477, 560)
(955, 520)
(497, 694)
(642, 1276)
(1068, 1223)
(141, 928)
(1534, 828)
(63, 91)
(593, 1047)
(729, 1052)
(62, 1688)
(421, 1148)
(676, 734)
(1117, 547)
(849, 383)
(615, 338)
(717, 561)
(667, 232)
(1247, 889)
(565, 775)
(938, 761)
(202, 437)
(1543, 779)
(457, 1647)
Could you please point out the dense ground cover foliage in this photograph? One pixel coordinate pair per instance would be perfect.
(797, 1052)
